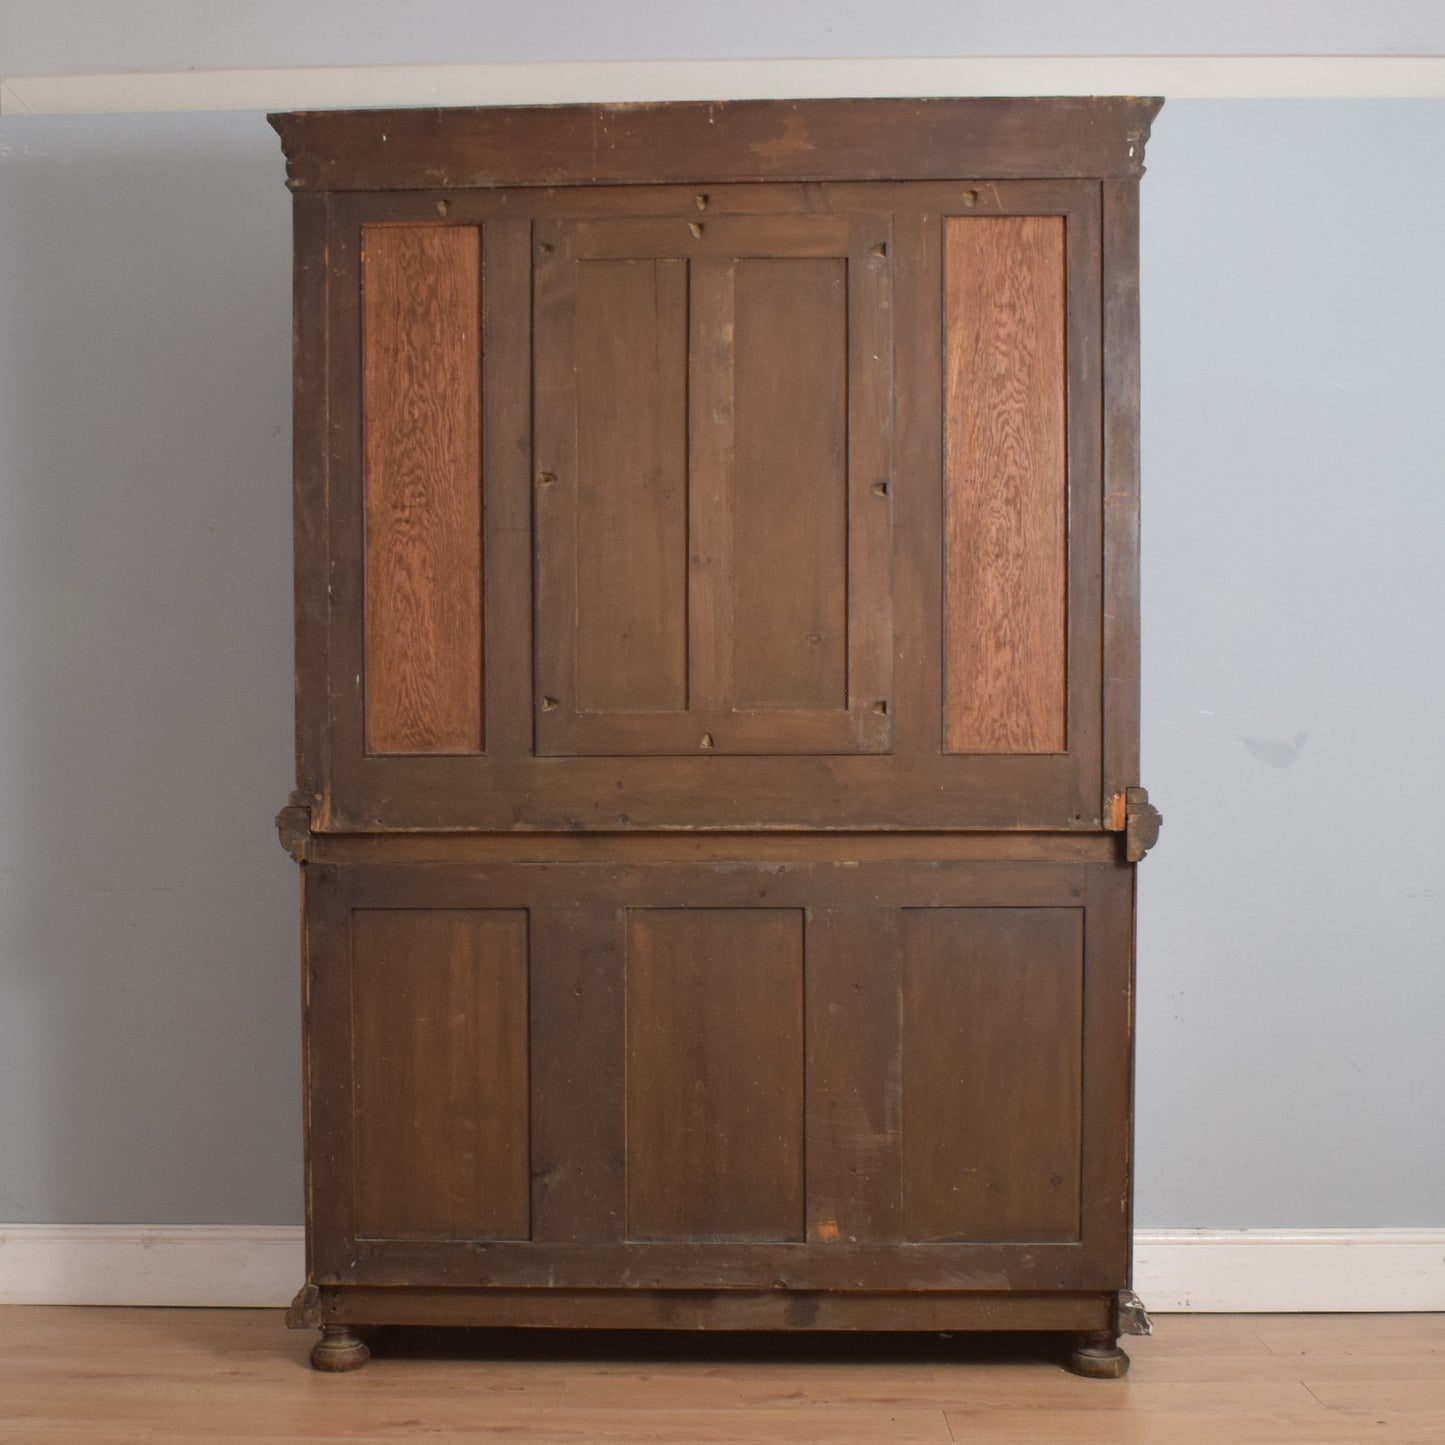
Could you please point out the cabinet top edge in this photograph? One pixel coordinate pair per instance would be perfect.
(683, 142)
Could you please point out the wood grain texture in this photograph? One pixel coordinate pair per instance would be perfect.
(190, 1375)
(802, 768)
(631, 485)
(855, 1094)
(701, 589)
(993, 138)
(775, 1310)
(715, 1074)
(1120, 325)
(710, 490)
(422, 405)
(722, 956)
(578, 1116)
(508, 684)
(310, 279)
(992, 1073)
(439, 1054)
(1005, 480)
(654, 847)
(789, 485)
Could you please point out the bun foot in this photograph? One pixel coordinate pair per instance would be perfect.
(1099, 1358)
(338, 1349)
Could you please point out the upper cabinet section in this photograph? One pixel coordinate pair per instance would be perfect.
(795, 490)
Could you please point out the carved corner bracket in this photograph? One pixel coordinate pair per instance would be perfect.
(1133, 1317)
(305, 1311)
(293, 823)
(1138, 820)
(1142, 821)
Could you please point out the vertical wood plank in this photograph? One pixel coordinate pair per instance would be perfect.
(553, 489)
(1121, 488)
(1107, 1194)
(855, 1100)
(1005, 547)
(439, 1053)
(871, 481)
(422, 399)
(507, 496)
(631, 485)
(1087, 689)
(345, 581)
(710, 492)
(715, 1074)
(789, 483)
(916, 499)
(992, 1073)
(577, 1074)
(329, 1138)
(309, 425)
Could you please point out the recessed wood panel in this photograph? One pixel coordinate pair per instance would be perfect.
(992, 1073)
(421, 380)
(1006, 513)
(715, 1074)
(789, 483)
(631, 517)
(439, 1059)
(707, 394)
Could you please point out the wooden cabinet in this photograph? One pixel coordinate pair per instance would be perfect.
(717, 714)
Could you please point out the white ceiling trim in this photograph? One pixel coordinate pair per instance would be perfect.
(1182, 77)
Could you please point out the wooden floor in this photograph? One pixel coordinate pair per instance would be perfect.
(96, 1375)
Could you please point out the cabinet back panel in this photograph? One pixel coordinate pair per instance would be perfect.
(739, 1072)
(439, 1059)
(992, 1043)
(421, 289)
(715, 1073)
(719, 470)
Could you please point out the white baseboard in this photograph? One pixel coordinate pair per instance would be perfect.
(1215, 77)
(242, 1266)
(1175, 1270)
(1238, 1271)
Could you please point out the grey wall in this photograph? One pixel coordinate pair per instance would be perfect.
(148, 944)
(55, 36)
(1291, 926)
(1292, 920)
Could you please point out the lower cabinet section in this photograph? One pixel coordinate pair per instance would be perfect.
(749, 1094)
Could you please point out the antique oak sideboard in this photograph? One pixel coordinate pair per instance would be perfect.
(717, 715)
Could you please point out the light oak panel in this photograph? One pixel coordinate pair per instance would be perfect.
(992, 1039)
(1006, 485)
(439, 1060)
(421, 380)
(715, 1074)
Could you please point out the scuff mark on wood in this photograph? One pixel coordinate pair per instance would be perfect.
(793, 142)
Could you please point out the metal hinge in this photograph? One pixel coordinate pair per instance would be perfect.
(1138, 820)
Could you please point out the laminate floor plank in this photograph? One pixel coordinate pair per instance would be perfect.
(127, 1375)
